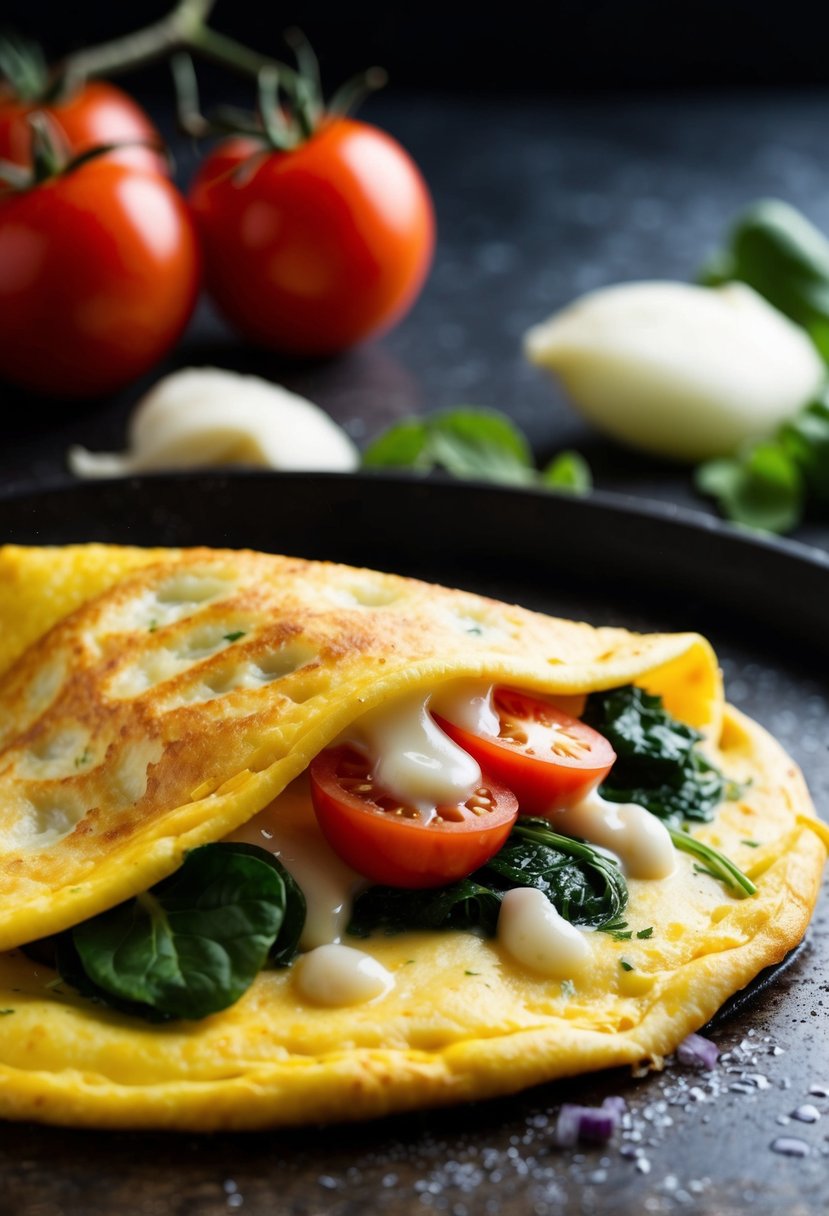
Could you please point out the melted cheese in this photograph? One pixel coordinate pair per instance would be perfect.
(415, 761)
(336, 976)
(538, 937)
(634, 835)
(467, 704)
(289, 830)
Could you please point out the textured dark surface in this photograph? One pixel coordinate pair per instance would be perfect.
(693, 1142)
(537, 201)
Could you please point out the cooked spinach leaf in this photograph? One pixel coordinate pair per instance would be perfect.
(194, 943)
(658, 764)
(584, 885)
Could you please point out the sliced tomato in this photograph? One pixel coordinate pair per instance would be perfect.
(396, 844)
(547, 757)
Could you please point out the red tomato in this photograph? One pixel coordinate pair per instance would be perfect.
(547, 757)
(95, 114)
(395, 845)
(99, 271)
(313, 250)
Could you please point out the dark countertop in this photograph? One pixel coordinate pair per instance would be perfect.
(538, 200)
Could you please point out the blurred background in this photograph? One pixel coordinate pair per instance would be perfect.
(560, 45)
(567, 147)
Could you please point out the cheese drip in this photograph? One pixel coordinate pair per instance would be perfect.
(335, 976)
(538, 937)
(288, 829)
(414, 760)
(640, 840)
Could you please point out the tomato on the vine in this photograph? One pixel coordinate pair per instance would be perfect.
(313, 249)
(99, 270)
(546, 756)
(92, 115)
(396, 844)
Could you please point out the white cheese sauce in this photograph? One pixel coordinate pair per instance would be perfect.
(336, 976)
(467, 704)
(533, 932)
(413, 759)
(640, 840)
(288, 828)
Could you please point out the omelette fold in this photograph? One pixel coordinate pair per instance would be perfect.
(152, 701)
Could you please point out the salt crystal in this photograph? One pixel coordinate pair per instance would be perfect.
(789, 1146)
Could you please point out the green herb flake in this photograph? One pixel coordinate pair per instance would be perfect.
(625, 965)
(234, 637)
(472, 973)
(568, 989)
(4, 1012)
(153, 625)
(751, 844)
(645, 933)
(84, 758)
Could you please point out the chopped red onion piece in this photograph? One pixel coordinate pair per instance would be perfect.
(615, 1103)
(594, 1124)
(697, 1052)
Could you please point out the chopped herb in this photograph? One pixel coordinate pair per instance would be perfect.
(568, 988)
(84, 758)
(474, 631)
(625, 965)
(234, 637)
(618, 930)
(4, 1012)
(472, 973)
(153, 625)
(751, 844)
(644, 933)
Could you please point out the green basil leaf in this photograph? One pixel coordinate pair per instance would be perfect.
(568, 471)
(402, 446)
(473, 443)
(762, 489)
(190, 946)
(784, 257)
(805, 439)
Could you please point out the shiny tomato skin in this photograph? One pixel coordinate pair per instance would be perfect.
(544, 780)
(310, 251)
(95, 114)
(99, 271)
(402, 851)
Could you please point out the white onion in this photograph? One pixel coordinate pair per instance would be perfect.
(679, 370)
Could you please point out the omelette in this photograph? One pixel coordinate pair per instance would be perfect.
(167, 722)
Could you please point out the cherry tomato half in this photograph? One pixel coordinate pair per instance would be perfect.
(312, 250)
(95, 114)
(99, 272)
(547, 757)
(395, 844)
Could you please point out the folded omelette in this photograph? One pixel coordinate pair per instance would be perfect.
(156, 701)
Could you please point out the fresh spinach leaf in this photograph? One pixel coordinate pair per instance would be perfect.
(658, 764)
(584, 885)
(462, 905)
(474, 443)
(194, 943)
